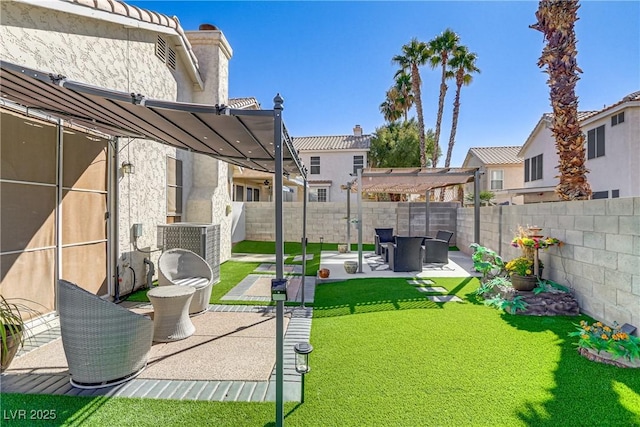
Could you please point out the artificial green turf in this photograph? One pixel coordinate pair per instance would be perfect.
(292, 249)
(386, 355)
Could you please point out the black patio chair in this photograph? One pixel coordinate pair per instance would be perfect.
(436, 251)
(405, 254)
(383, 235)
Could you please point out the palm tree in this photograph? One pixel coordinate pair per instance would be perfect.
(462, 63)
(405, 98)
(414, 54)
(389, 108)
(441, 47)
(556, 20)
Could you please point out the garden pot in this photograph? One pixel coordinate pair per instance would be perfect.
(351, 267)
(523, 283)
(13, 345)
(324, 273)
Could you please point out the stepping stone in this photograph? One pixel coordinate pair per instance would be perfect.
(444, 298)
(298, 258)
(428, 289)
(420, 282)
(271, 268)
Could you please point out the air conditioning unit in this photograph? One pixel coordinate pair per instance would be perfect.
(203, 239)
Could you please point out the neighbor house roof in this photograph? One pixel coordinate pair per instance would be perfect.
(336, 142)
(244, 104)
(496, 155)
(582, 116)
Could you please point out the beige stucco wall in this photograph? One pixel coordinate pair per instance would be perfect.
(600, 260)
(122, 58)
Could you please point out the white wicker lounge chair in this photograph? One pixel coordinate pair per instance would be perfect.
(185, 268)
(105, 344)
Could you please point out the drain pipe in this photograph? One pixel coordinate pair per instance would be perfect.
(150, 272)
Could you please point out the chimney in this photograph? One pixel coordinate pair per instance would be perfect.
(213, 52)
(357, 131)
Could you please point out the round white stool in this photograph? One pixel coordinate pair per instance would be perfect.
(171, 320)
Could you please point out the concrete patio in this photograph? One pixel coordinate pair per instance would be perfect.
(231, 356)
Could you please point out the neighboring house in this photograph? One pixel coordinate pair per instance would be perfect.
(501, 170)
(58, 214)
(612, 142)
(330, 161)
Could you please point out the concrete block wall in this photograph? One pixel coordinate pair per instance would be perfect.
(600, 260)
(329, 220)
(323, 219)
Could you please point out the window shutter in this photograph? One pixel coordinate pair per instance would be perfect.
(591, 144)
(600, 141)
(526, 170)
(539, 174)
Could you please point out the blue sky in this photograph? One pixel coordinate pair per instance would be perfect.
(331, 61)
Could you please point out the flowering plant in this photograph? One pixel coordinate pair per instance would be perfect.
(529, 242)
(522, 266)
(599, 337)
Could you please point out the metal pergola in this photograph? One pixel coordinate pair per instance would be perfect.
(254, 139)
(416, 181)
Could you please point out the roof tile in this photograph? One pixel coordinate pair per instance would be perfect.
(335, 142)
(497, 155)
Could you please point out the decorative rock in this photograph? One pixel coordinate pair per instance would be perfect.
(544, 303)
(607, 358)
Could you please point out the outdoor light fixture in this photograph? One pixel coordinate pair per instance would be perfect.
(266, 182)
(128, 168)
(302, 349)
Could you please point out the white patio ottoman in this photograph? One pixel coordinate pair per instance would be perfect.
(171, 320)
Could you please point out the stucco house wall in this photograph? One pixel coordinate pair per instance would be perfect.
(335, 165)
(120, 57)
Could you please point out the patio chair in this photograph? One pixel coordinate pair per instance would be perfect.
(185, 268)
(405, 254)
(383, 235)
(105, 344)
(436, 251)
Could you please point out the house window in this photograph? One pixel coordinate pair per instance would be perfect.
(595, 142)
(166, 53)
(174, 190)
(497, 179)
(256, 195)
(358, 163)
(600, 195)
(239, 194)
(315, 165)
(615, 194)
(616, 119)
(318, 195)
(533, 168)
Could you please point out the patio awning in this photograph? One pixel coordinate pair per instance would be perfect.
(240, 137)
(413, 180)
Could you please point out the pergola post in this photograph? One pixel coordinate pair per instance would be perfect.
(304, 240)
(427, 201)
(279, 238)
(476, 206)
(359, 201)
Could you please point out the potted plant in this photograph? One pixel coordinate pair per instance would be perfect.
(526, 269)
(606, 344)
(521, 271)
(11, 332)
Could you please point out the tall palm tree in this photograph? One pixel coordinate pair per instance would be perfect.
(462, 64)
(391, 108)
(441, 47)
(414, 54)
(556, 20)
(405, 98)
